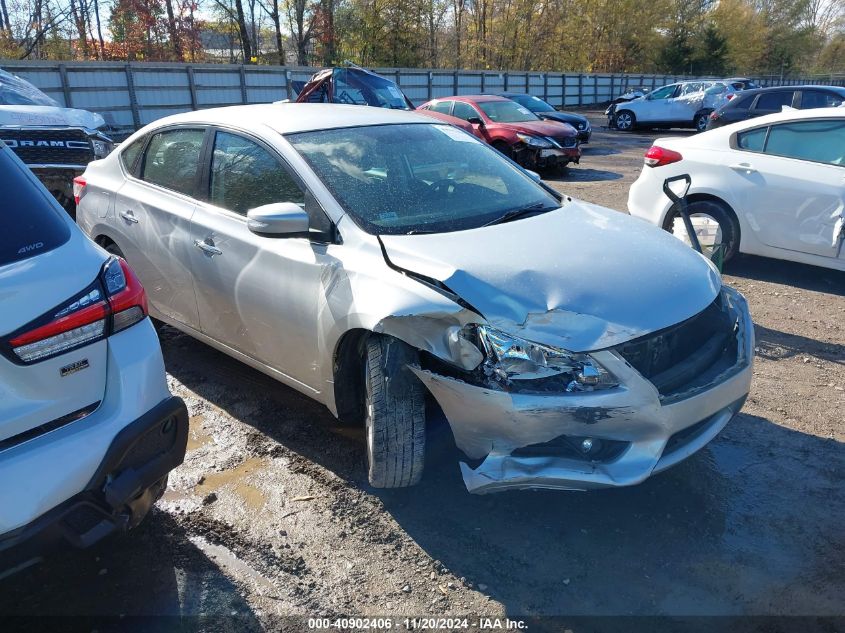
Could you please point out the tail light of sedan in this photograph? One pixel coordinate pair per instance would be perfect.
(113, 302)
(657, 156)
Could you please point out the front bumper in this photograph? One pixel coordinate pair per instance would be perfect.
(652, 433)
(534, 158)
(584, 135)
(129, 480)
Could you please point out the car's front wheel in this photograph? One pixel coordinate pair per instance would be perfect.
(715, 226)
(625, 120)
(394, 414)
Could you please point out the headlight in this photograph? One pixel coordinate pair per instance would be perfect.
(534, 141)
(102, 148)
(516, 363)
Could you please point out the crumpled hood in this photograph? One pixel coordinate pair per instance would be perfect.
(25, 115)
(580, 278)
(554, 129)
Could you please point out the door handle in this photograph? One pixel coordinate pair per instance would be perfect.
(205, 247)
(129, 217)
(746, 167)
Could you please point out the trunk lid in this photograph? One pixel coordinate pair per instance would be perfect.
(35, 394)
(581, 278)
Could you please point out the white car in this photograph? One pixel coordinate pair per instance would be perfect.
(88, 428)
(366, 256)
(772, 186)
(685, 104)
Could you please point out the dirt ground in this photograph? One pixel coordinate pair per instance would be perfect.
(271, 514)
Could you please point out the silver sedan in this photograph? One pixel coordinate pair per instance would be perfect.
(365, 257)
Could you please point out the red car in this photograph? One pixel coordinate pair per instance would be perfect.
(514, 130)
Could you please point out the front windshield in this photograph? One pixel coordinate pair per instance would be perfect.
(533, 103)
(17, 91)
(506, 112)
(417, 178)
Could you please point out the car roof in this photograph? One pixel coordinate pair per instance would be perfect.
(287, 118)
(754, 91)
(786, 115)
(474, 98)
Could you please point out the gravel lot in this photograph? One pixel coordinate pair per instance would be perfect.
(271, 513)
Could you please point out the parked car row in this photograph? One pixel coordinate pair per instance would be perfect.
(381, 261)
(512, 123)
(704, 105)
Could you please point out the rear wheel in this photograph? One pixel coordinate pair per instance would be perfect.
(700, 121)
(625, 120)
(394, 414)
(714, 224)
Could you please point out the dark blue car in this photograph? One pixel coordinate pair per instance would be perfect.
(547, 111)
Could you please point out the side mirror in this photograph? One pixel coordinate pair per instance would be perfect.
(533, 175)
(279, 218)
(475, 120)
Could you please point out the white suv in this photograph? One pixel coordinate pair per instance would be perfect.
(88, 428)
(686, 105)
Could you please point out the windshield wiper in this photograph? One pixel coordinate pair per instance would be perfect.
(515, 214)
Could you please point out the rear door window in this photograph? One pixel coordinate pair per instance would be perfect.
(30, 223)
(172, 158)
(774, 101)
(441, 106)
(742, 103)
(753, 140)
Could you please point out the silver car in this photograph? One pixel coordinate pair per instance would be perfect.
(687, 104)
(365, 257)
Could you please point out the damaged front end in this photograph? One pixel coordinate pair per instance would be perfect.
(530, 415)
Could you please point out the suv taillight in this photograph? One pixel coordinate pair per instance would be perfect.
(657, 156)
(113, 302)
(78, 188)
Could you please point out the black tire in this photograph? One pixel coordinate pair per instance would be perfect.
(700, 121)
(394, 414)
(504, 148)
(719, 212)
(625, 121)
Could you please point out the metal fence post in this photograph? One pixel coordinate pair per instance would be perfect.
(288, 87)
(133, 100)
(243, 84)
(455, 83)
(430, 86)
(507, 80)
(65, 85)
(580, 90)
(612, 88)
(192, 87)
(545, 86)
(483, 82)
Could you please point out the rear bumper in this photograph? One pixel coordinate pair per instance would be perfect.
(128, 481)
